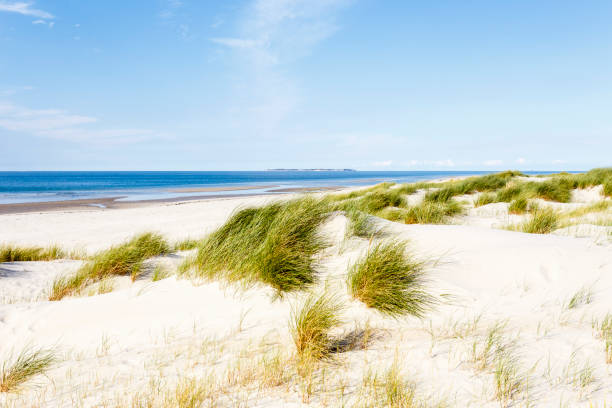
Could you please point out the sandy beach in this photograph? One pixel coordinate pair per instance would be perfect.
(144, 340)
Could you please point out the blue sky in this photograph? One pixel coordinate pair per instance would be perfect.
(249, 85)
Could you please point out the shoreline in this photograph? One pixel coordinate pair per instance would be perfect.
(112, 203)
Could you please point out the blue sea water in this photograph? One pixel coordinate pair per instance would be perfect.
(22, 187)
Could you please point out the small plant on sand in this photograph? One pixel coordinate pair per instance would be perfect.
(386, 279)
(604, 332)
(584, 296)
(361, 225)
(28, 364)
(185, 245)
(160, 272)
(508, 380)
(274, 244)
(310, 326)
(123, 260)
(543, 221)
(484, 199)
(10, 253)
(518, 205)
(428, 212)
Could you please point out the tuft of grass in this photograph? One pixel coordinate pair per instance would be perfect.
(605, 333)
(542, 221)
(552, 190)
(28, 364)
(518, 205)
(311, 323)
(508, 379)
(377, 200)
(360, 225)
(484, 199)
(274, 244)
(123, 260)
(390, 282)
(584, 296)
(185, 244)
(11, 253)
(428, 212)
(159, 273)
(607, 188)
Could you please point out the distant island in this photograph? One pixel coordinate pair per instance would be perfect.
(311, 170)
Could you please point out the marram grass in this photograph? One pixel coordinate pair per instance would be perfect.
(389, 281)
(311, 323)
(11, 253)
(542, 221)
(28, 364)
(274, 245)
(123, 260)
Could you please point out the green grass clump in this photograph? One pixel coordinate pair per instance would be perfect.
(518, 205)
(125, 259)
(552, 190)
(543, 221)
(388, 281)
(185, 245)
(274, 244)
(377, 200)
(360, 225)
(607, 188)
(428, 212)
(10, 253)
(28, 364)
(311, 324)
(487, 183)
(510, 192)
(484, 199)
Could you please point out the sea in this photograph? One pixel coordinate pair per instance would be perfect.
(35, 186)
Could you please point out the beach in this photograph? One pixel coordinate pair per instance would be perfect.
(532, 301)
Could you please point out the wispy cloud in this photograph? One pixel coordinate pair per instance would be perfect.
(25, 9)
(521, 160)
(270, 35)
(60, 124)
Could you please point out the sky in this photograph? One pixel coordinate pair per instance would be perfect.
(257, 84)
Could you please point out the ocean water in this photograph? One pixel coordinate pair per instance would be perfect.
(23, 187)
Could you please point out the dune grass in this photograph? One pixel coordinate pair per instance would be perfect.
(387, 280)
(122, 260)
(360, 225)
(487, 183)
(428, 212)
(274, 245)
(484, 199)
(28, 364)
(542, 221)
(12, 253)
(310, 325)
(518, 205)
(185, 245)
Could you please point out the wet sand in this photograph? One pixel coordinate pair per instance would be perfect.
(110, 203)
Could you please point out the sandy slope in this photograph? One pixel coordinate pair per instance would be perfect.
(148, 335)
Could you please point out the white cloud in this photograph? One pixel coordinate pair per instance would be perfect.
(385, 163)
(558, 161)
(51, 24)
(59, 124)
(521, 160)
(39, 22)
(24, 9)
(492, 162)
(236, 42)
(270, 35)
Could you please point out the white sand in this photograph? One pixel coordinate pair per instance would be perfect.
(150, 335)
